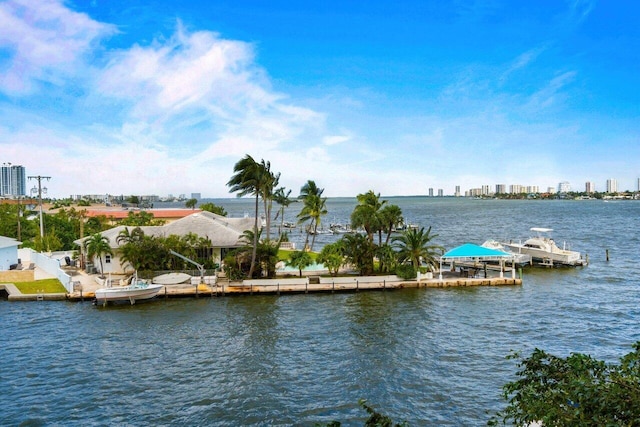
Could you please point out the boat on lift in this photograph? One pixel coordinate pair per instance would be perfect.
(544, 250)
(518, 258)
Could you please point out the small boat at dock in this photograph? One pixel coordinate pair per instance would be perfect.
(136, 290)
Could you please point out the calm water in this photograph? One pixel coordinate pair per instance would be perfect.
(430, 357)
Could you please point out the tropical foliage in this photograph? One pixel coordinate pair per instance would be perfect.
(332, 257)
(97, 246)
(256, 179)
(313, 209)
(414, 246)
(299, 260)
(213, 208)
(574, 391)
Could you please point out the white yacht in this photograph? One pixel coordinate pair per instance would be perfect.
(544, 251)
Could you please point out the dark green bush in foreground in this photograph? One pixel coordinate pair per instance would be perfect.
(574, 391)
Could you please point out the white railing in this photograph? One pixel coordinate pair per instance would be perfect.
(50, 265)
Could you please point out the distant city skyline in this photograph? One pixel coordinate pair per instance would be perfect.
(166, 96)
(13, 183)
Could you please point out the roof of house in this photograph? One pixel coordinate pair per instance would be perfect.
(7, 242)
(120, 213)
(222, 231)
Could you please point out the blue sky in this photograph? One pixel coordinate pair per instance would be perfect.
(164, 97)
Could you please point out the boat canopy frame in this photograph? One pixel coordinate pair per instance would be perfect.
(470, 251)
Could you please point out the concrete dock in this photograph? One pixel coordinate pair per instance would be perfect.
(303, 286)
(86, 285)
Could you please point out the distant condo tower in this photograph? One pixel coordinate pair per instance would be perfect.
(12, 180)
(589, 187)
(612, 185)
(431, 192)
(564, 187)
(440, 192)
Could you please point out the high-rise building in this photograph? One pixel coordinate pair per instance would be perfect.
(431, 192)
(589, 187)
(564, 187)
(12, 180)
(457, 193)
(515, 189)
(612, 185)
(501, 188)
(440, 192)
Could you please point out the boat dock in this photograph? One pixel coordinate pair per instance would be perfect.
(314, 284)
(85, 285)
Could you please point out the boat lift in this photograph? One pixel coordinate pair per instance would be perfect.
(200, 266)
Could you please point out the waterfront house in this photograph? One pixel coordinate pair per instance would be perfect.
(8, 253)
(224, 233)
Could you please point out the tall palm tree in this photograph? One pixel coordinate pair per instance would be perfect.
(282, 199)
(246, 180)
(268, 182)
(414, 244)
(97, 245)
(366, 214)
(390, 216)
(314, 207)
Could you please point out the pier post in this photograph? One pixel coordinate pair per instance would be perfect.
(278, 288)
(357, 286)
(607, 254)
(333, 286)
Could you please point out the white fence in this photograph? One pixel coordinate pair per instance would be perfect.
(49, 264)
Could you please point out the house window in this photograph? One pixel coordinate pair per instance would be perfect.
(107, 259)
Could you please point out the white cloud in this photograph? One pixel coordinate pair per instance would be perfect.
(44, 41)
(335, 139)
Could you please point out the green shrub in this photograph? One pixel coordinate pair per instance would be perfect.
(406, 272)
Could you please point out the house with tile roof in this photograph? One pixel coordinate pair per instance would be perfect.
(224, 233)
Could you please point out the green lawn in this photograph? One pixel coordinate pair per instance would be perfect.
(283, 254)
(47, 286)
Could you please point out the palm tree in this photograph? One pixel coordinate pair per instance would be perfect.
(414, 244)
(247, 180)
(282, 199)
(313, 210)
(314, 207)
(132, 236)
(390, 216)
(268, 182)
(97, 245)
(366, 214)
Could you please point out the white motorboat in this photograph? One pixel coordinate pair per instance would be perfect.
(520, 259)
(137, 290)
(544, 251)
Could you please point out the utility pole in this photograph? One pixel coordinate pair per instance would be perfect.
(40, 189)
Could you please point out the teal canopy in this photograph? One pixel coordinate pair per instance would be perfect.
(469, 250)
